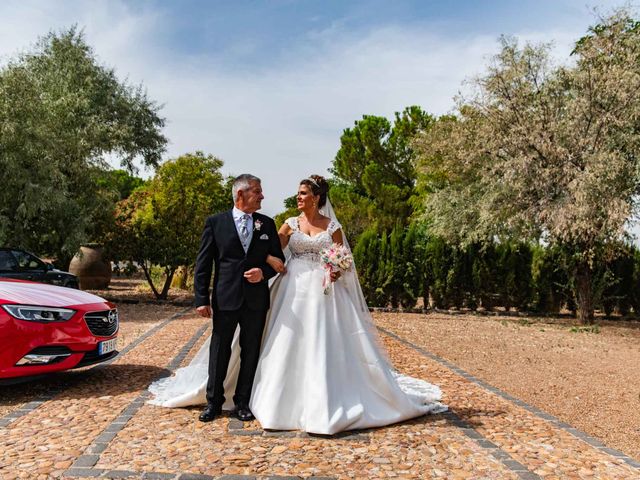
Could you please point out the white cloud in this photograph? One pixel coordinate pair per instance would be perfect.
(280, 122)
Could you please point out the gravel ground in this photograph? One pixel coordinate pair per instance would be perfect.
(589, 380)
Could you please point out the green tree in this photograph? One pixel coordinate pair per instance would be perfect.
(120, 182)
(411, 273)
(291, 210)
(61, 112)
(544, 152)
(161, 223)
(374, 170)
(366, 257)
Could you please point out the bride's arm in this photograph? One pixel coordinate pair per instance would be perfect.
(337, 238)
(284, 233)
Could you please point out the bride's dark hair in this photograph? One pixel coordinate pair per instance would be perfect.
(318, 186)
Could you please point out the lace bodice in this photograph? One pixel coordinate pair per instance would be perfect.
(308, 247)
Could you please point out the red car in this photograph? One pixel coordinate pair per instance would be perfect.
(45, 328)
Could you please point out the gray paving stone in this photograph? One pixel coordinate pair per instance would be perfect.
(86, 461)
(105, 437)
(130, 411)
(632, 462)
(246, 433)
(99, 447)
(501, 455)
(195, 476)
(613, 451)
(547, 416)
(486, 444)
(157, 476)
(236, 425)
(514, 465)
(83, 472)
(528, 476)
(594, 442)
(563, 425)
(280, 434)
(471, 433)
(115, 427)
(121, 474)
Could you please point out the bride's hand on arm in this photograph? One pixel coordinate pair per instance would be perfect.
(276, 264)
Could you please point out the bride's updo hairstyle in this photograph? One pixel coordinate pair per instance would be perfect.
(318, 186)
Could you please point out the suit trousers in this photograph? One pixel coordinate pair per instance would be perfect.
(224, 326)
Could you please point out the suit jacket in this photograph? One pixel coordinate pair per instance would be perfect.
(222, 252)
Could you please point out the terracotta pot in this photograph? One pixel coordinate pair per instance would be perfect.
(92, 269)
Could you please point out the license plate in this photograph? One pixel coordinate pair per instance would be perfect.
(107, 346)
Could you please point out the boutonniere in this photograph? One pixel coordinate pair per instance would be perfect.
(257, 225)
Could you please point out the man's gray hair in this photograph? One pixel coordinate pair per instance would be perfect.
(243, 182)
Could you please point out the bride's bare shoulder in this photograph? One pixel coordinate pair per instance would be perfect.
(288, 225)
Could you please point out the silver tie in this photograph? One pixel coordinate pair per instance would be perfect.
(244, 230)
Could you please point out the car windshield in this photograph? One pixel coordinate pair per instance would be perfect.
(26, 261)
(8, 262)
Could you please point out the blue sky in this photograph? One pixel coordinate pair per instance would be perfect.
(268, 86)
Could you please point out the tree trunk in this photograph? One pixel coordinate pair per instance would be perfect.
(167, 283)
(149, 280)
(584, 293)
(184, 278)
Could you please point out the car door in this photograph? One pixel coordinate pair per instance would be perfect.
(30, 266)
(9, 265)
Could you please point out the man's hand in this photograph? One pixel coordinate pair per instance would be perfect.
(254, 275)
(204, 311)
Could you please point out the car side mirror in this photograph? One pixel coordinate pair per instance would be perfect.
(49, 267)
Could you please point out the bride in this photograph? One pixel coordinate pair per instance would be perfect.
(321, 368)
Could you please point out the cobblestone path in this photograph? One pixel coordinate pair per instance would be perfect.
(96, 424)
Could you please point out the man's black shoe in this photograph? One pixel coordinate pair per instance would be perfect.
(210, 413)
(243, 413)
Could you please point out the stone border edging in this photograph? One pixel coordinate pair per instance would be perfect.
(530, 408)
(29, 407)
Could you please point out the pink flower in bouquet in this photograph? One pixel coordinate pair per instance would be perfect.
(336, 258)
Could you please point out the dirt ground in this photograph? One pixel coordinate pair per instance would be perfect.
(587, 377)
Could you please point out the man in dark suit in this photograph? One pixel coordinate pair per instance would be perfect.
(237, 243)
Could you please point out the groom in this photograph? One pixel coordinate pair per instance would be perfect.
(237, 243)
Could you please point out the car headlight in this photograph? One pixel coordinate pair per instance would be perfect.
(39, 314)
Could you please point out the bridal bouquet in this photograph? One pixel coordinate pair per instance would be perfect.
(336, 258)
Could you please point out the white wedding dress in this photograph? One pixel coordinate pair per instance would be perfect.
(321, 369)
